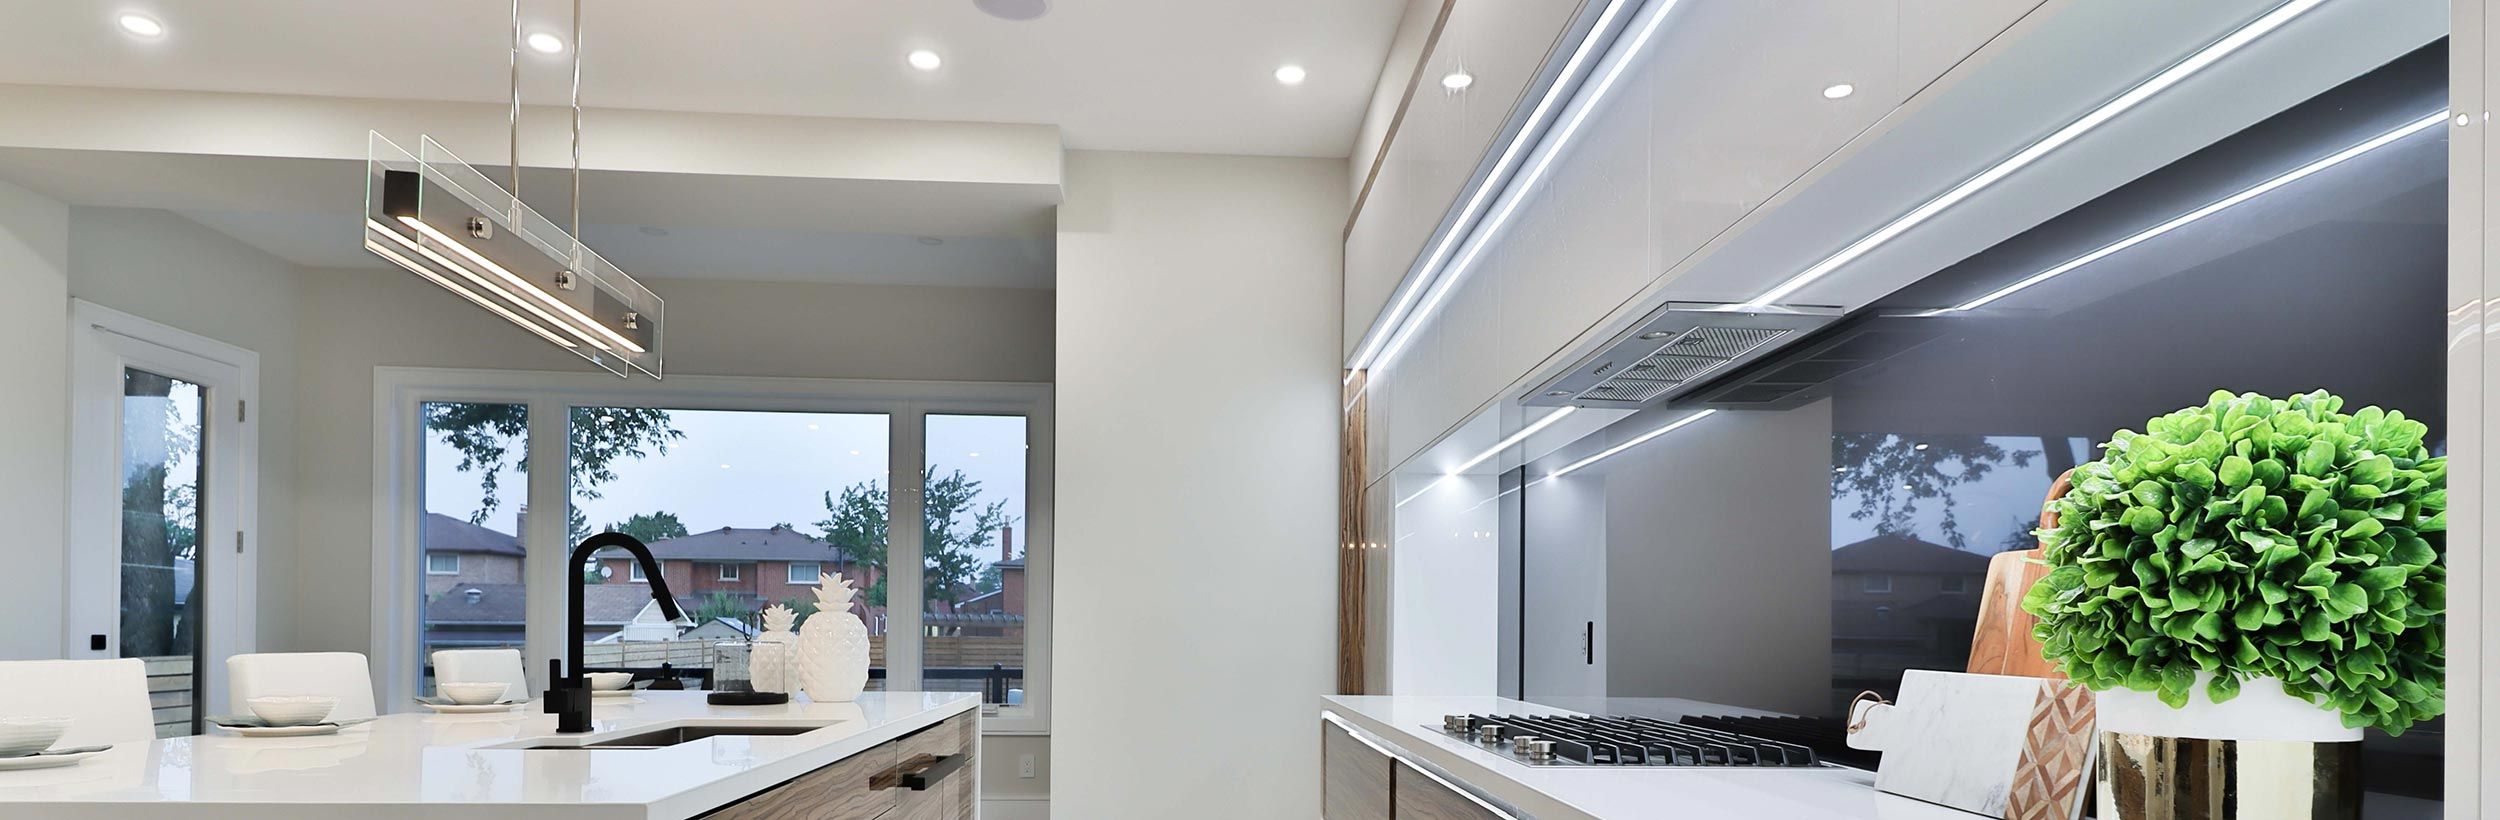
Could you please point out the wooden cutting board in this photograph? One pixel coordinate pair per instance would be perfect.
(2002, 644)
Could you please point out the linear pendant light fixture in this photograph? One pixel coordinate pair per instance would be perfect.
(2168, 77)
(444, 220)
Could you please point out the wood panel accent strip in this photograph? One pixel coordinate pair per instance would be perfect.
(837, 792)
(1419, 797)
(1354, 778)
(1353, 541)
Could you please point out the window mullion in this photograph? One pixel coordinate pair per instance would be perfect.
(543, 535)
(903, 549)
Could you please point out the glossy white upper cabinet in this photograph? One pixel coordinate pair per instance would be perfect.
(1725, 109)
(1499, 45)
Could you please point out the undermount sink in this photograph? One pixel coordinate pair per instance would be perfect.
(671, 736)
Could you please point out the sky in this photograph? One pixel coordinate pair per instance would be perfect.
(757, 469)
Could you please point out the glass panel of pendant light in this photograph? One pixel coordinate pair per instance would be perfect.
(450, 223)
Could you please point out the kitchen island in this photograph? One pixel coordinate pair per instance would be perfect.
(1383, 757)
(896, 755)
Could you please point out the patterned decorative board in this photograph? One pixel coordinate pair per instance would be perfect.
(2013, 747)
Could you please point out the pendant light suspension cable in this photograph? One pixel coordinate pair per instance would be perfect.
(516, 110)
(577, 125)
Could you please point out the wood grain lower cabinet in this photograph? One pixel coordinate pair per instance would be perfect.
(936, 771)
(1354, 778)
(842, 791)
(1422, 798)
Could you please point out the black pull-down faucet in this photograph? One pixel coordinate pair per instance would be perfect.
(568, 695)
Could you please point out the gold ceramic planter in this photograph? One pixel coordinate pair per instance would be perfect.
(2148, 777)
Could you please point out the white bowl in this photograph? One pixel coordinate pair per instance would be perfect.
(292, 710)
(610, 681)
(21, 736)
(473, 694)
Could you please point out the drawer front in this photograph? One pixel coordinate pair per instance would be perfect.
(943, 755)
(1354, 778)
(842, 791)
(1423, 798)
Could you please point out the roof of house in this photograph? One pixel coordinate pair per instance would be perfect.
(1905, 555)
(444, 533)
(775, 543)
(602, 604)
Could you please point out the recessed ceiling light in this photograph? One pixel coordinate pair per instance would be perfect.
(1457, 80)
(544, 43)
(1835, 92)
(925, 60)
(1013, 9)
(141, 25)
(1291, 74)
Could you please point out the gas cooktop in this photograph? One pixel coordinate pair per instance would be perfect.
(1565, 740)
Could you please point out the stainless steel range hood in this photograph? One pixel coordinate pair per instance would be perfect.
(1676, 350)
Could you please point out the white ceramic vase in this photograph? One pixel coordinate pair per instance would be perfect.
(2264, 755)
(775, 660)
(833, 646)
(2263, 711)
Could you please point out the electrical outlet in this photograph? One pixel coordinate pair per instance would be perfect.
(1024, 767)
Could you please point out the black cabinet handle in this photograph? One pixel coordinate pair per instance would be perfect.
(929, 775)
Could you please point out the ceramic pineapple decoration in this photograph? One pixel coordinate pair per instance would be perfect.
(775, 662)
(833, 645)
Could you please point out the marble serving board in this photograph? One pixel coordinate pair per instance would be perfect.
(1997, 745)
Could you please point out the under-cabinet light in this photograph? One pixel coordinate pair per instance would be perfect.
(528, 287)
(2295, 175)
(2133, 97)
(1400, 322)
(1515, 438)
(1644, 437)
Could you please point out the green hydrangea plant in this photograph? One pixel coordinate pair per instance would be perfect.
(2256, 537)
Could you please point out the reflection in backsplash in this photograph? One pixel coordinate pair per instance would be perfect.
(1924, 462)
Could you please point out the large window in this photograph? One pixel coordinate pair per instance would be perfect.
(748, 492)
(475, 502)
(709, 491)
(973, 576)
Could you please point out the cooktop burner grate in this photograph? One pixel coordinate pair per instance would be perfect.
(1566, 740)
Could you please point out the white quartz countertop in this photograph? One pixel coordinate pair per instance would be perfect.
(1409, 724)
(424, 765)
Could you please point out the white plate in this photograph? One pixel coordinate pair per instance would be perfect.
(44, 761)
(614, 693)
(467, 708)
(283, 731)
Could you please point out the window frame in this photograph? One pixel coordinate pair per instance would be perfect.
(789, 572)
(727, 571)
(1953, 585)
(429, 563)
(634, 573)
(398, 505)
(1876, 584)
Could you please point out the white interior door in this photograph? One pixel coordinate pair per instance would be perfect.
(161, 500)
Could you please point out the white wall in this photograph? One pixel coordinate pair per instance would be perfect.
(356, 320)
(1698, 523)
(1198, 381)
(159, 266)
(34, 330)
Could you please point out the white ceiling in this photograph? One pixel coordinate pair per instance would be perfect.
(1150, 75)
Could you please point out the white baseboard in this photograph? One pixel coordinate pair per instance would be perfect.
(1016, 808)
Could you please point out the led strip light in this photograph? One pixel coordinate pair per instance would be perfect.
(374, 227)
(528, 287)
(2168, 77)
(1489, 452)
(2295, 175)
(1401, 324)
(1643, 438)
